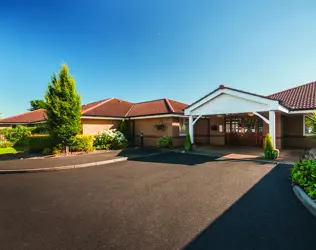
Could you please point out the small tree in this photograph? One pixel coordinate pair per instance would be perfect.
(187, 143)
(63, 108)
(37, 104)
(123, 127)
(268, 145)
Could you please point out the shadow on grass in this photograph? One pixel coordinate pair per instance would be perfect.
(16, 153)
(268, 216)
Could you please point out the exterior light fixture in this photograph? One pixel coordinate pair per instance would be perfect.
(251, 114)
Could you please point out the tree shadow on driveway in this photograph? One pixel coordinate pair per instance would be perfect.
(183, 159)
(268, 216)
(176, 158)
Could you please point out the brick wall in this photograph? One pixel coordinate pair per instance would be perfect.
(217, 137)
(293, 133)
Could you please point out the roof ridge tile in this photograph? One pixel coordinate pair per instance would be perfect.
(169, 104)
(98, 105)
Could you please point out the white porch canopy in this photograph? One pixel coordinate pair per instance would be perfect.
(226, 100)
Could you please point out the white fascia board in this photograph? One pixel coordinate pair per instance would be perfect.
(14, 123)
(155, 116)
(201, 102)
(39, 122)
(283, 109)
(250, 97)
(302, 111)
(272, 103)
(102, 117)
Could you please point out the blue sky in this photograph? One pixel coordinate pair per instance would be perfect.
(141, 50)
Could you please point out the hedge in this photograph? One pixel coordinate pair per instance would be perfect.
(83, 143)
(37, 143)
(304, 174)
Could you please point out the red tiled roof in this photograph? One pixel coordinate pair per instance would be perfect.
(28, 117)
(118, 108)
(91, 105)
(178, 107)
(300, 97)
(149, 108)
(111, 107)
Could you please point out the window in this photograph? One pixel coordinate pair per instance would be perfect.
(307, 125)
(183, 126)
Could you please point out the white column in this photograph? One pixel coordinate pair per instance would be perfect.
(272, 127)
(191, 128)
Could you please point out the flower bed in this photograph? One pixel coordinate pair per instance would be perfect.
(304, 175)
(304, 183)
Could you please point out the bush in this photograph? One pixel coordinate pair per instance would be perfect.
(165, 142)
(46, 151)
(304, 174)
(5, 144)
(123, 127)
(42, 130)
(37, 143)
(57, 149)
(187, 143)
(4, 131)
(269, 152)
(110, 139)
(83, 143)
(268, 145)
(18, 135)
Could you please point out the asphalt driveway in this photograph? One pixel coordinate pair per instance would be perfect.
(168, 201)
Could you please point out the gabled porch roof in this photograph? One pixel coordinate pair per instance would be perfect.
(225, 100)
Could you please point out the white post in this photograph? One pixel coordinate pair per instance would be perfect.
(191, 128)
(272, 127)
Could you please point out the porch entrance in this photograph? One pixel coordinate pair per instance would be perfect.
(244, 131)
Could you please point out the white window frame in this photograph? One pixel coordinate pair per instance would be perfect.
(187, 122)
(304, 134)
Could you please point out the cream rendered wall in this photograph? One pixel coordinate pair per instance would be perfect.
(94, 126)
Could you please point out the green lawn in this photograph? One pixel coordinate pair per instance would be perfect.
(12, 150)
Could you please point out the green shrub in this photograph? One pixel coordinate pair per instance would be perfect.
(5, 144)
(268, 144)
(18, 135)
(187, 142)
(57, 149)
(4, 131)
(269, 152)
(46, 151)
(123, 128)
(165, 142)
(40, 130)
(304, 174)
(110, 139)
(37, 143)
(83, 143)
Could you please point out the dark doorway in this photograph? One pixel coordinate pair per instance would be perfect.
(244, 130)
